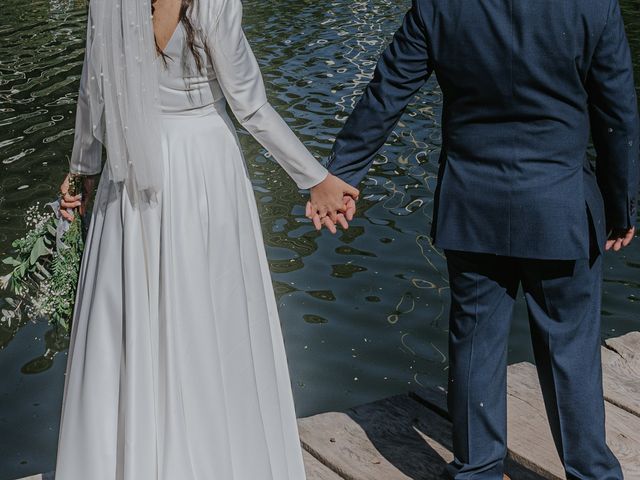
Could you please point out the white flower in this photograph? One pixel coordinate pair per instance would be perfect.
(4, 281)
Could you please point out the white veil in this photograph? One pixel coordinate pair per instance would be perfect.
(124, 91)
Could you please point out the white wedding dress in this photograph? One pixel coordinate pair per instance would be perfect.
(177, 368)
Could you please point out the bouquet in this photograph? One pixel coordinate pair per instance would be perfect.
(45, 264)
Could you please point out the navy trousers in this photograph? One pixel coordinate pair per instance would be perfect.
(563, 300)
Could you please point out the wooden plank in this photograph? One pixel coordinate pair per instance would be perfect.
(529, 437)
(530, 441)
(316, 470)
(40, 476)
(621, 372)
(432, 398)
(436, 400)
(392, 439)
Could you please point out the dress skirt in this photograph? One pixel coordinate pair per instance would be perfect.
(177, 368)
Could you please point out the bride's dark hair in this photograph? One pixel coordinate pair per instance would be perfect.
(186, 7)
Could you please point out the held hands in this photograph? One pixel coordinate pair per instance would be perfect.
(332, 202)
(619, 239)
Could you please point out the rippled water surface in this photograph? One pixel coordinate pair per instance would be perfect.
(364, 312)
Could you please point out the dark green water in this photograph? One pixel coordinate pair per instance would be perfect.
(364, 312)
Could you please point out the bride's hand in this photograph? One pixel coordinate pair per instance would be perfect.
(79, 201)
(67, 201)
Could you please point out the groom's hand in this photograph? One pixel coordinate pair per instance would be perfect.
(619, 239)
(332, 202)
(342, 219)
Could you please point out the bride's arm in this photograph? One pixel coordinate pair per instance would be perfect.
(241, 81)
(86, 157)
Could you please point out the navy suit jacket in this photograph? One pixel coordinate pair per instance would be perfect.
(523, 84)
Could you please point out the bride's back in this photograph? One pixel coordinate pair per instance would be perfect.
(187, 77)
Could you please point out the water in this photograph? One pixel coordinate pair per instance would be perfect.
(363, 312)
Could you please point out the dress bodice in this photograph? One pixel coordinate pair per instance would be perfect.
(183, 89)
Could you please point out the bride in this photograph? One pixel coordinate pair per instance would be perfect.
(177, 367)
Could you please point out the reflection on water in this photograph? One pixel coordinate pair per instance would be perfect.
(364, 312)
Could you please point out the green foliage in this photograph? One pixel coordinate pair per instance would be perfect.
(44, 276)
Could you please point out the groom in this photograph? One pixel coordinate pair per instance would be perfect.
(517, 203)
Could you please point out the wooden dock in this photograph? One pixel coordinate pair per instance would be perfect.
(408, 437)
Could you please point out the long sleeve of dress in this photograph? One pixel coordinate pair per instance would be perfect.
(86, 157)
(241, 81)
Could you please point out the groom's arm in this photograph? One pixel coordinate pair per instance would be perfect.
(614, 123)
(403, 68)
